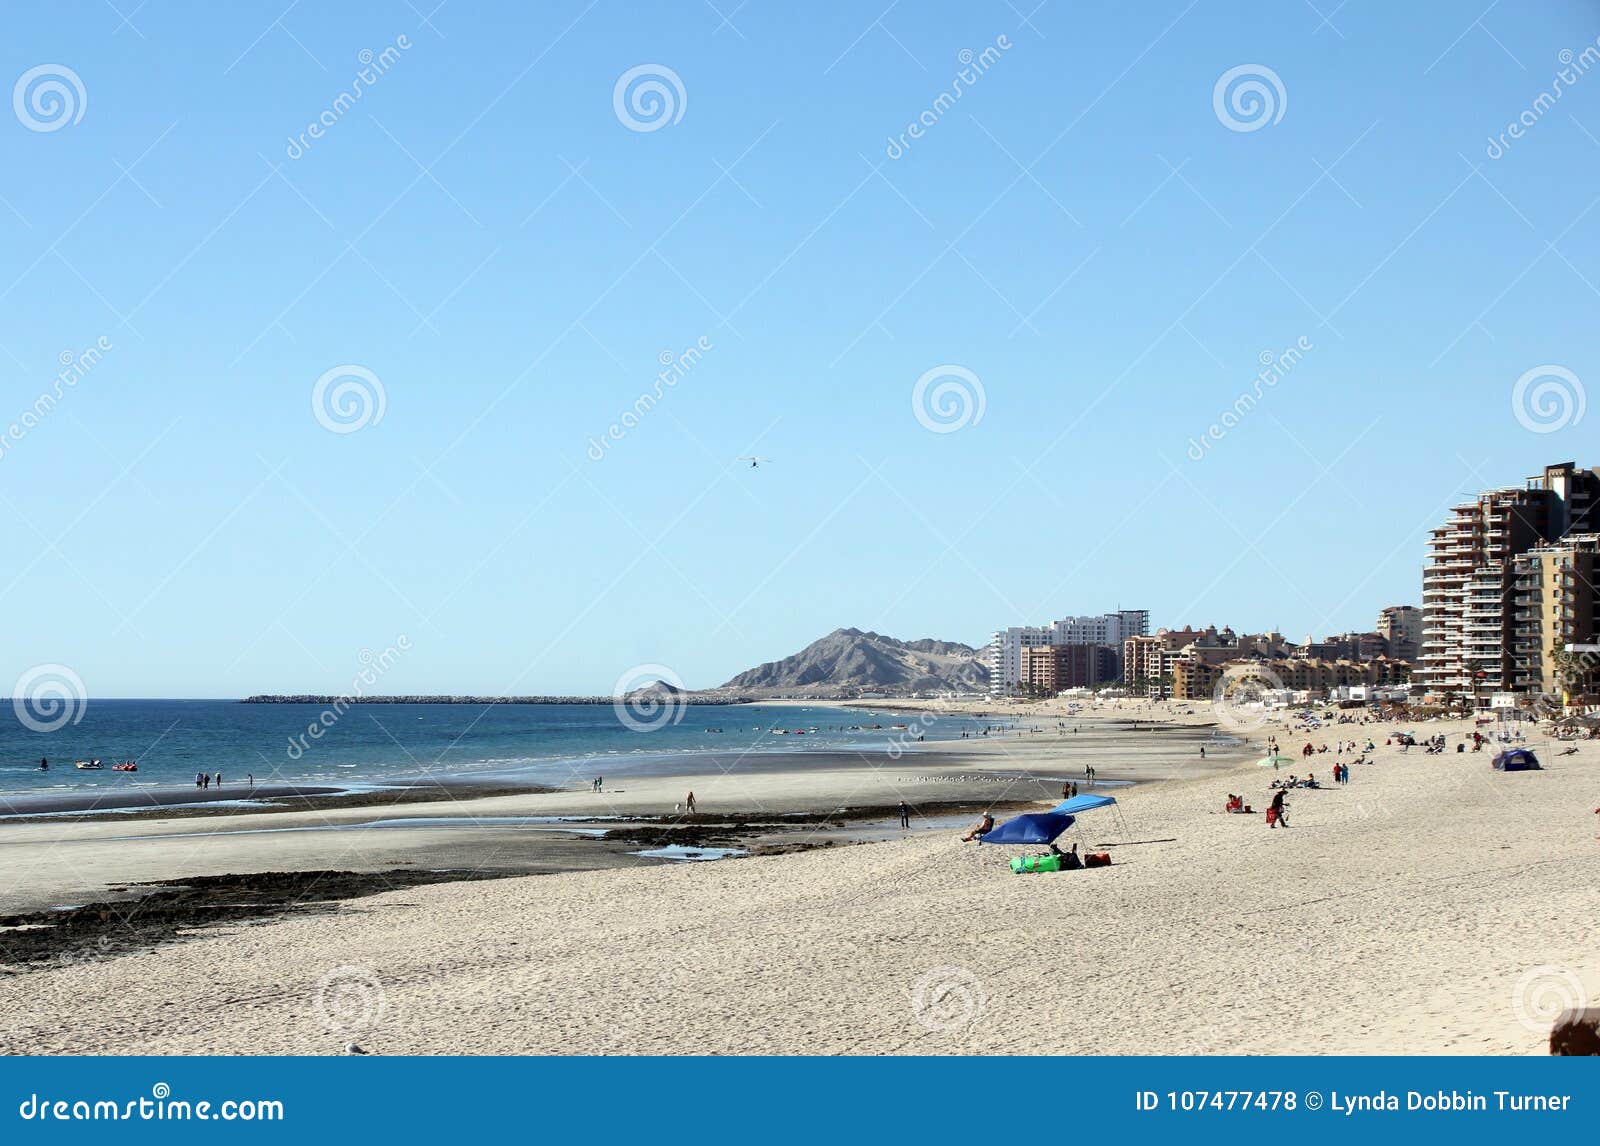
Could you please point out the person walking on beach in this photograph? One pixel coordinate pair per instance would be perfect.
(689, 803)
(219, 779)
(905, 815)
(1277, 809)
(250, 779)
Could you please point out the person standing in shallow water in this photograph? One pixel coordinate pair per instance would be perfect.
(905, 815)
(689, 803)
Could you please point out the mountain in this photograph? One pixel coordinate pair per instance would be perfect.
(850, 660)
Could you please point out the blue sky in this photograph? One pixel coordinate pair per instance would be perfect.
(1083, 232)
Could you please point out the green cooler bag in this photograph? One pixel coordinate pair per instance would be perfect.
(1035, 863)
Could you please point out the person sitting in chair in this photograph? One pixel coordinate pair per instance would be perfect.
(984, 826)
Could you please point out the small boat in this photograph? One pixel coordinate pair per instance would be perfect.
(126, 766)
(89, 765)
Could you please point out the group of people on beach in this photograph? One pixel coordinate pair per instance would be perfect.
(203, 780)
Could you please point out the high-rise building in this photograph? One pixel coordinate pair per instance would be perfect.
(1003, 656)
(1554, 608)
(1401, 628)
(1471, 632)
(1053, 668)
(1105, 629)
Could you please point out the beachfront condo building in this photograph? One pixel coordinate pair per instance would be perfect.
(1555, 613)
(1196, 678)
(1149, 661)
(1003, 655)
(1050, 669)
(1475, 630)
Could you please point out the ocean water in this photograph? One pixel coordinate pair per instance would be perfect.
(374, 744)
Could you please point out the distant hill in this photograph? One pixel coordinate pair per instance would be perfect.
(849, 660)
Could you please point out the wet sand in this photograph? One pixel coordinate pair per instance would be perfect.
(70, 860)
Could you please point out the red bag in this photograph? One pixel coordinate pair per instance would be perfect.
(1272, 816)
(1097, 859)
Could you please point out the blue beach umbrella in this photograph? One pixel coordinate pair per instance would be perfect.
(1082, 803)
(1035, 828)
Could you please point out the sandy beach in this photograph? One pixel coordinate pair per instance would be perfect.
(1431, 906)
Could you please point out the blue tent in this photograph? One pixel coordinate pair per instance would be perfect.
(1080, 804)
(1516, 760)
(1037, 828)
